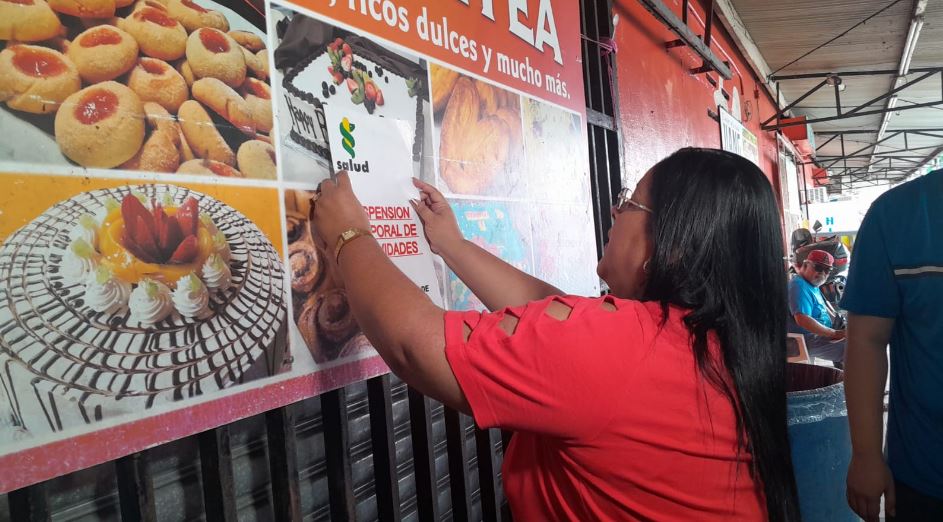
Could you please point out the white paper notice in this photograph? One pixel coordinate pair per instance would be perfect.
(377, 153)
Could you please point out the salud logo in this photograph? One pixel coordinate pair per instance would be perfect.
(348, 142)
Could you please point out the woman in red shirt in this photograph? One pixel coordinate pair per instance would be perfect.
(662, 401)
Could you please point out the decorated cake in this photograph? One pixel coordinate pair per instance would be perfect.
(347, 78)
(117, 300)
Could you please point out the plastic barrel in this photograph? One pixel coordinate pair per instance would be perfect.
(820, 441)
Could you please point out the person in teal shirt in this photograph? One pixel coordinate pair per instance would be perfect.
(810, 314)
(895, 295)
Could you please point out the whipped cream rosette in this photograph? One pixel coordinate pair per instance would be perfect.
(86, 230)
(119, 299)
(150, 303)
(191, 298)
(80, 260)
(216, 273)
(106, 293)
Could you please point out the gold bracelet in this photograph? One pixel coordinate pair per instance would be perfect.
(346, 237)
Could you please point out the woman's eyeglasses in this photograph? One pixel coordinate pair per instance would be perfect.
(625, 198)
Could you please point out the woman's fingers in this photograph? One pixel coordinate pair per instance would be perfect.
(422, 210)
(428, 191)
(342, 179)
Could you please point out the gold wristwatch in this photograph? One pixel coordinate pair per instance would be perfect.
(346, 237)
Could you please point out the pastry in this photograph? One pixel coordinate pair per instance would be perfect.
(103, 53)
(28, 21)
(224, 101)
(141, 4)
(262, 57)
(304, 261)
(480, 156)
(443, 81)
(500, 97)
(36, 79)
(88, 23)
(462, 111)
(160, 150)
(201, 134)
(512, 118)
(335, 321)
(186, 153)
(308, 327)
(213, 53)
(472, 150)
(155, 80)
(250, 41)
(209, 167)
(258, 96)
(86, 8)
(488, 96)
(299, 201)
(194, 16)
(254, 63)
(296, 221)
(101, 125)
(158, 35)
(256, 160)
(57, 43)
(159, 119)
(158, 154)
(183, 67)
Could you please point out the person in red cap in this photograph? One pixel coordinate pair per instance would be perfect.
(812, 316)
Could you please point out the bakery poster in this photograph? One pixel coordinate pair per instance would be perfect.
(158, 273)
(144, 294)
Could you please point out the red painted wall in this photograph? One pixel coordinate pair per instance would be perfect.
(663, 106)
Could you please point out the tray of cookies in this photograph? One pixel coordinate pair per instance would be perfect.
(155, 85)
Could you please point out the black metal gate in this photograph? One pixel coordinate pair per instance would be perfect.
(375, 450)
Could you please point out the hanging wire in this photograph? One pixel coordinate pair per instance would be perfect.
(607, 50)
(885, 8)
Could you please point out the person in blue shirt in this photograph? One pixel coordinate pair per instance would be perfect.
(812, 316)
(895, 294)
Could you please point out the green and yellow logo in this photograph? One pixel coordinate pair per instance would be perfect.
(348, 142)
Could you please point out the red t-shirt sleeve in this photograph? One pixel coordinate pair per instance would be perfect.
(553, 377)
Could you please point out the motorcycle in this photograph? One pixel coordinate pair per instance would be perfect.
(803, 241)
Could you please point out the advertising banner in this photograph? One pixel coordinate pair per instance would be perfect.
(736, 138)
(159, 275)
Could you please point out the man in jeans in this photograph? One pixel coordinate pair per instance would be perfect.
(812, 316)
(895, 294)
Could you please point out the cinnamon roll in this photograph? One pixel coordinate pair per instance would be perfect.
(336, 323)
(305, 266)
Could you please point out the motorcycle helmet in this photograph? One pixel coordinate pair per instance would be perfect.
(800, 238)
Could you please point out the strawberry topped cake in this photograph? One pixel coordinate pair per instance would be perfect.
(137, 255)
(138, 296)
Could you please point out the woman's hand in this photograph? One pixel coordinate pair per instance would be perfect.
(336, 210)
(438, 221)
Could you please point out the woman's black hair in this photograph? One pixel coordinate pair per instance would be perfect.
(718, 252)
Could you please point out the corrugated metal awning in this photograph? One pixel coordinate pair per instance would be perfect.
(789, 36)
